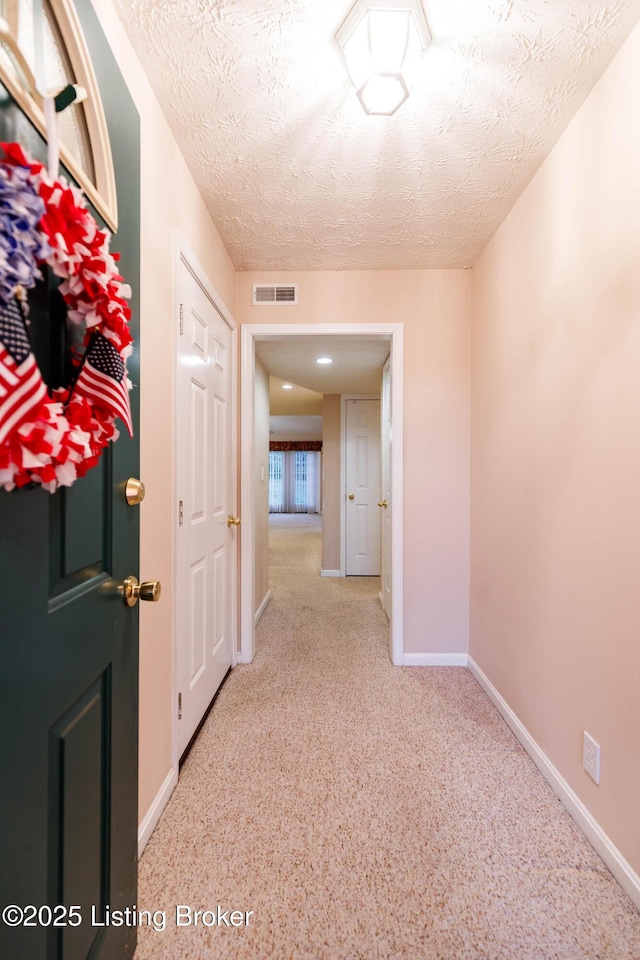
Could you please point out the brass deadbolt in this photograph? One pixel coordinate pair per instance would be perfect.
(134, 491)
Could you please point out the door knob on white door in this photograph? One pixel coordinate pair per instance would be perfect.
(233, 521)
(352, 496)
(382, 503)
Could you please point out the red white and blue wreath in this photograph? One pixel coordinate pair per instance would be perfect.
(52, 437)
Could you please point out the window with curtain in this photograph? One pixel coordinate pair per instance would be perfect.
(294, 481)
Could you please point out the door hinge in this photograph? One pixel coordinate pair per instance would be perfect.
(181, 319)
(181, 513)
(179, 706)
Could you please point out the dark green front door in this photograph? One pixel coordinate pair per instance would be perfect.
(68, 643)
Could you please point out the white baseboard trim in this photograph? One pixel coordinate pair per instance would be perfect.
(599, 840)
(263, 606)
(434, 660)
(329, 573)
(153, 814)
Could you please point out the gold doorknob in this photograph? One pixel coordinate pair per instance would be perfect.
(382, 503)
(132, 591)
(134, 491)
(352, 496)
(233, 521)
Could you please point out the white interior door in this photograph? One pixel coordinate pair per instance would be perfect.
(385, 517)
(362, 472)
(205, 550)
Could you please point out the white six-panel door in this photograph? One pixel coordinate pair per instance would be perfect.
(205, 492)
(362, 472)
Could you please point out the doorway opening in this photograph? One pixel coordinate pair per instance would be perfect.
(339, 337)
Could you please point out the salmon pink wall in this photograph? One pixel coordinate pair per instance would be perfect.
(434, 307)
(169, 201)
(555, 469)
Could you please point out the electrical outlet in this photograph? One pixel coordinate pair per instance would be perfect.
(591, 757)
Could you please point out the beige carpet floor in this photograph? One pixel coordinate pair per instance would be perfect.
(367, 812)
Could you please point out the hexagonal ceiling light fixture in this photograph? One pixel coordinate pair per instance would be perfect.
(383, 42)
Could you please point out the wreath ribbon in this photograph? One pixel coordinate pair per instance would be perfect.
(52, 437)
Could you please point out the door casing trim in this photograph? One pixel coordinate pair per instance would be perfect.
(249, 333)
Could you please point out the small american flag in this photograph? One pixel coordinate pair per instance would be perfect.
(103, 379)
(22, 388)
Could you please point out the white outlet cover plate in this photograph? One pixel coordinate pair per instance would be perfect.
(591, 757)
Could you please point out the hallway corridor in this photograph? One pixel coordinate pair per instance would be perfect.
(360, 811)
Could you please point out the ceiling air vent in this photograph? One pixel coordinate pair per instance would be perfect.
(275, 293)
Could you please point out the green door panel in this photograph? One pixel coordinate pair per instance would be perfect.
(68, 643)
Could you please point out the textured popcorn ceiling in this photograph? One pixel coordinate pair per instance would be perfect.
(296, 176)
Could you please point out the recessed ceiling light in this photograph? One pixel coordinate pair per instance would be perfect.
(324, 360)
(287, 386)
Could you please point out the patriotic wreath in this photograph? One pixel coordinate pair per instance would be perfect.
(52, 437)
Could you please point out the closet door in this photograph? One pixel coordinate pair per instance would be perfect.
(362, 468)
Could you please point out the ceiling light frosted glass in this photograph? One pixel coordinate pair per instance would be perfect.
(383, 42)
(382, 95)
(388, 32)
(287, 386)
(324, 360)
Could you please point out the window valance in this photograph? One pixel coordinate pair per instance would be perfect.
(284, 445)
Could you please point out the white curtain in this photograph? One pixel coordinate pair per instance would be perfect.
(294, 481)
